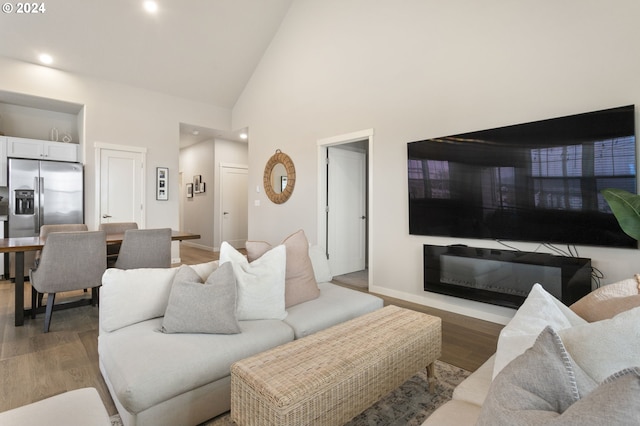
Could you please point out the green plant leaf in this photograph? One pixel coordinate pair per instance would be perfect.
(626, 208)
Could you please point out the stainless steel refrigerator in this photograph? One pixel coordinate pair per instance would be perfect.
(42, 193)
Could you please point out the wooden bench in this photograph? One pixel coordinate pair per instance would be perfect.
(331, 376)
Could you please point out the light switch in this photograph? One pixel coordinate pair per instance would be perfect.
(256, 203)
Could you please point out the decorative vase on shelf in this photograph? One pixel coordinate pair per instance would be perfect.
(53, 136)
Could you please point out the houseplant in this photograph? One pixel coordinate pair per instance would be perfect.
(626, 209)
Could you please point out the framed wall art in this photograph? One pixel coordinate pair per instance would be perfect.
(189, 190)
(162, 183)
(197, 180)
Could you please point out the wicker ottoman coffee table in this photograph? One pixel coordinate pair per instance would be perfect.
(331, 376)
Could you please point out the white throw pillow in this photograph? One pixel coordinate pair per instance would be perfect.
(129, 296)
(260, 283)
(204, 270)
(605, 347)
(539, 310)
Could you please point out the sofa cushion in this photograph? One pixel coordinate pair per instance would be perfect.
(260, 283)
(78, 407)
(544, 386)
(609, 300)
(335, 305)
(300, 282)
(539, 310)
(320, 263)
(537, 386)
(604, 347)
(146, 367)
(133, 295)
(195, 307)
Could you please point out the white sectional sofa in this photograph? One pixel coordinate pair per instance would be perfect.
(558, 365)
(159, 379)
(466, 403)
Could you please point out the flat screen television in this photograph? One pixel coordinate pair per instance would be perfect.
(537, 181)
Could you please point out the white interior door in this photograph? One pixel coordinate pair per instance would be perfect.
(234, 206)
(121, 186)
(346, 213)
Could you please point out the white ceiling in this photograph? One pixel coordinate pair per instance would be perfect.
(204, 50)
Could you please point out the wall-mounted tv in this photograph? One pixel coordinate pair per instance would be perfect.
(537, 181)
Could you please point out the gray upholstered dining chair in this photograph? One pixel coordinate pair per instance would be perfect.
(45, 230)
(117, 227)
(145, 248)
(69, 261)
(66, 227)
(114, 248)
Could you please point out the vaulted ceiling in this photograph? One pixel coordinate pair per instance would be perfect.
(204, 50)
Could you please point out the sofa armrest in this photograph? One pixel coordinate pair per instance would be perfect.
(474, 388)
(468, 397)
(454, 413)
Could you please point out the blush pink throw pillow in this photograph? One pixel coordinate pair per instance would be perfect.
(609, 300)
(300, 282)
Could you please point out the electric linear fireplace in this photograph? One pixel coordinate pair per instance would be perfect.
(503, 277)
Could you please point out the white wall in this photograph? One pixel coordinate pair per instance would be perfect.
(36, 123)
(420, 69)
(201, 214)
(226, 153)
(123, 115)
(198, 211)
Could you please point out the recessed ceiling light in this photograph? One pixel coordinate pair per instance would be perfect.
(150, 6)
(196, 132)
(45, 58)
(243, 136)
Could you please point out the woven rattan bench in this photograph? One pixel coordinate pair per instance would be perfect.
(331, 376)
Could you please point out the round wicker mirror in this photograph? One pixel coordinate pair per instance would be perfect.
(279, 177)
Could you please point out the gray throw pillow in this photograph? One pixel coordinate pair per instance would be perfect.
(536, 387)
(614, 402)
(544, 386)
(202, 308)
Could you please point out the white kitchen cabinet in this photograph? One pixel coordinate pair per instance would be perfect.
(41, 150)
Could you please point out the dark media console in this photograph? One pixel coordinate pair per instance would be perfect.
(503, 277)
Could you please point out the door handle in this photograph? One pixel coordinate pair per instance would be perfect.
(106, 216)
(225, 213)
(363, 217)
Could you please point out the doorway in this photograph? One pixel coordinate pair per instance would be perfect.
(344, 200)
(234, 206)
(120, 183)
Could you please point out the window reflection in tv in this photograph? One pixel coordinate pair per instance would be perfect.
(538, 181)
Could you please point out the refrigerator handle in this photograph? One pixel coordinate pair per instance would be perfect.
(41, 206)
(38, 186)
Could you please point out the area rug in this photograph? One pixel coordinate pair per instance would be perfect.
(409, 405)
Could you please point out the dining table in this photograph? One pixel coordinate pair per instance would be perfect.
(20, 245)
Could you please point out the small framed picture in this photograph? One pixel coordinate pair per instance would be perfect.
(197, 180)
(189, 190)
(162, 183)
